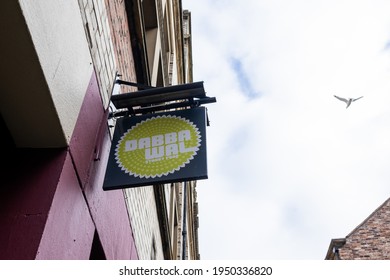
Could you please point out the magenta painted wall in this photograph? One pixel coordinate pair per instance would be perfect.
(109, 212)
(69, 228)
(52, 209)
(87, 130)
(108, 209)
(29, 180)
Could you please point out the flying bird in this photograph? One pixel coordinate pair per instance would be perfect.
(347, 100)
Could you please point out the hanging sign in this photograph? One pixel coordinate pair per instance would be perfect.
(158, 148)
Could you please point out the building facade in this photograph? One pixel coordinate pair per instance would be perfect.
(60, 60)
(368, 241)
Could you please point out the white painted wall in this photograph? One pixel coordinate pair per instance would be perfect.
(58, 35)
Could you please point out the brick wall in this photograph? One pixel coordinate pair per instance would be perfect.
(117, 18)
(143, 216)
(98, 33)
(371, 239)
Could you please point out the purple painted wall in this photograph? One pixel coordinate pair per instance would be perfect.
(108, 209)
(69, 228)
(52, 209)
(109, 212)
(29, 179)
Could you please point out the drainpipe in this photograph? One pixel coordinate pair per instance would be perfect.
(184, 231)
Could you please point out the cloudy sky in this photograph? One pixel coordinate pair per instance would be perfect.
(290, 167)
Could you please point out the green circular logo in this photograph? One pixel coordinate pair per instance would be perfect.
(157, 146)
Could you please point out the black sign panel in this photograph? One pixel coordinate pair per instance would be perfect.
(158, 148)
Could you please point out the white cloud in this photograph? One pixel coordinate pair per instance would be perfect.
(289, 167)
